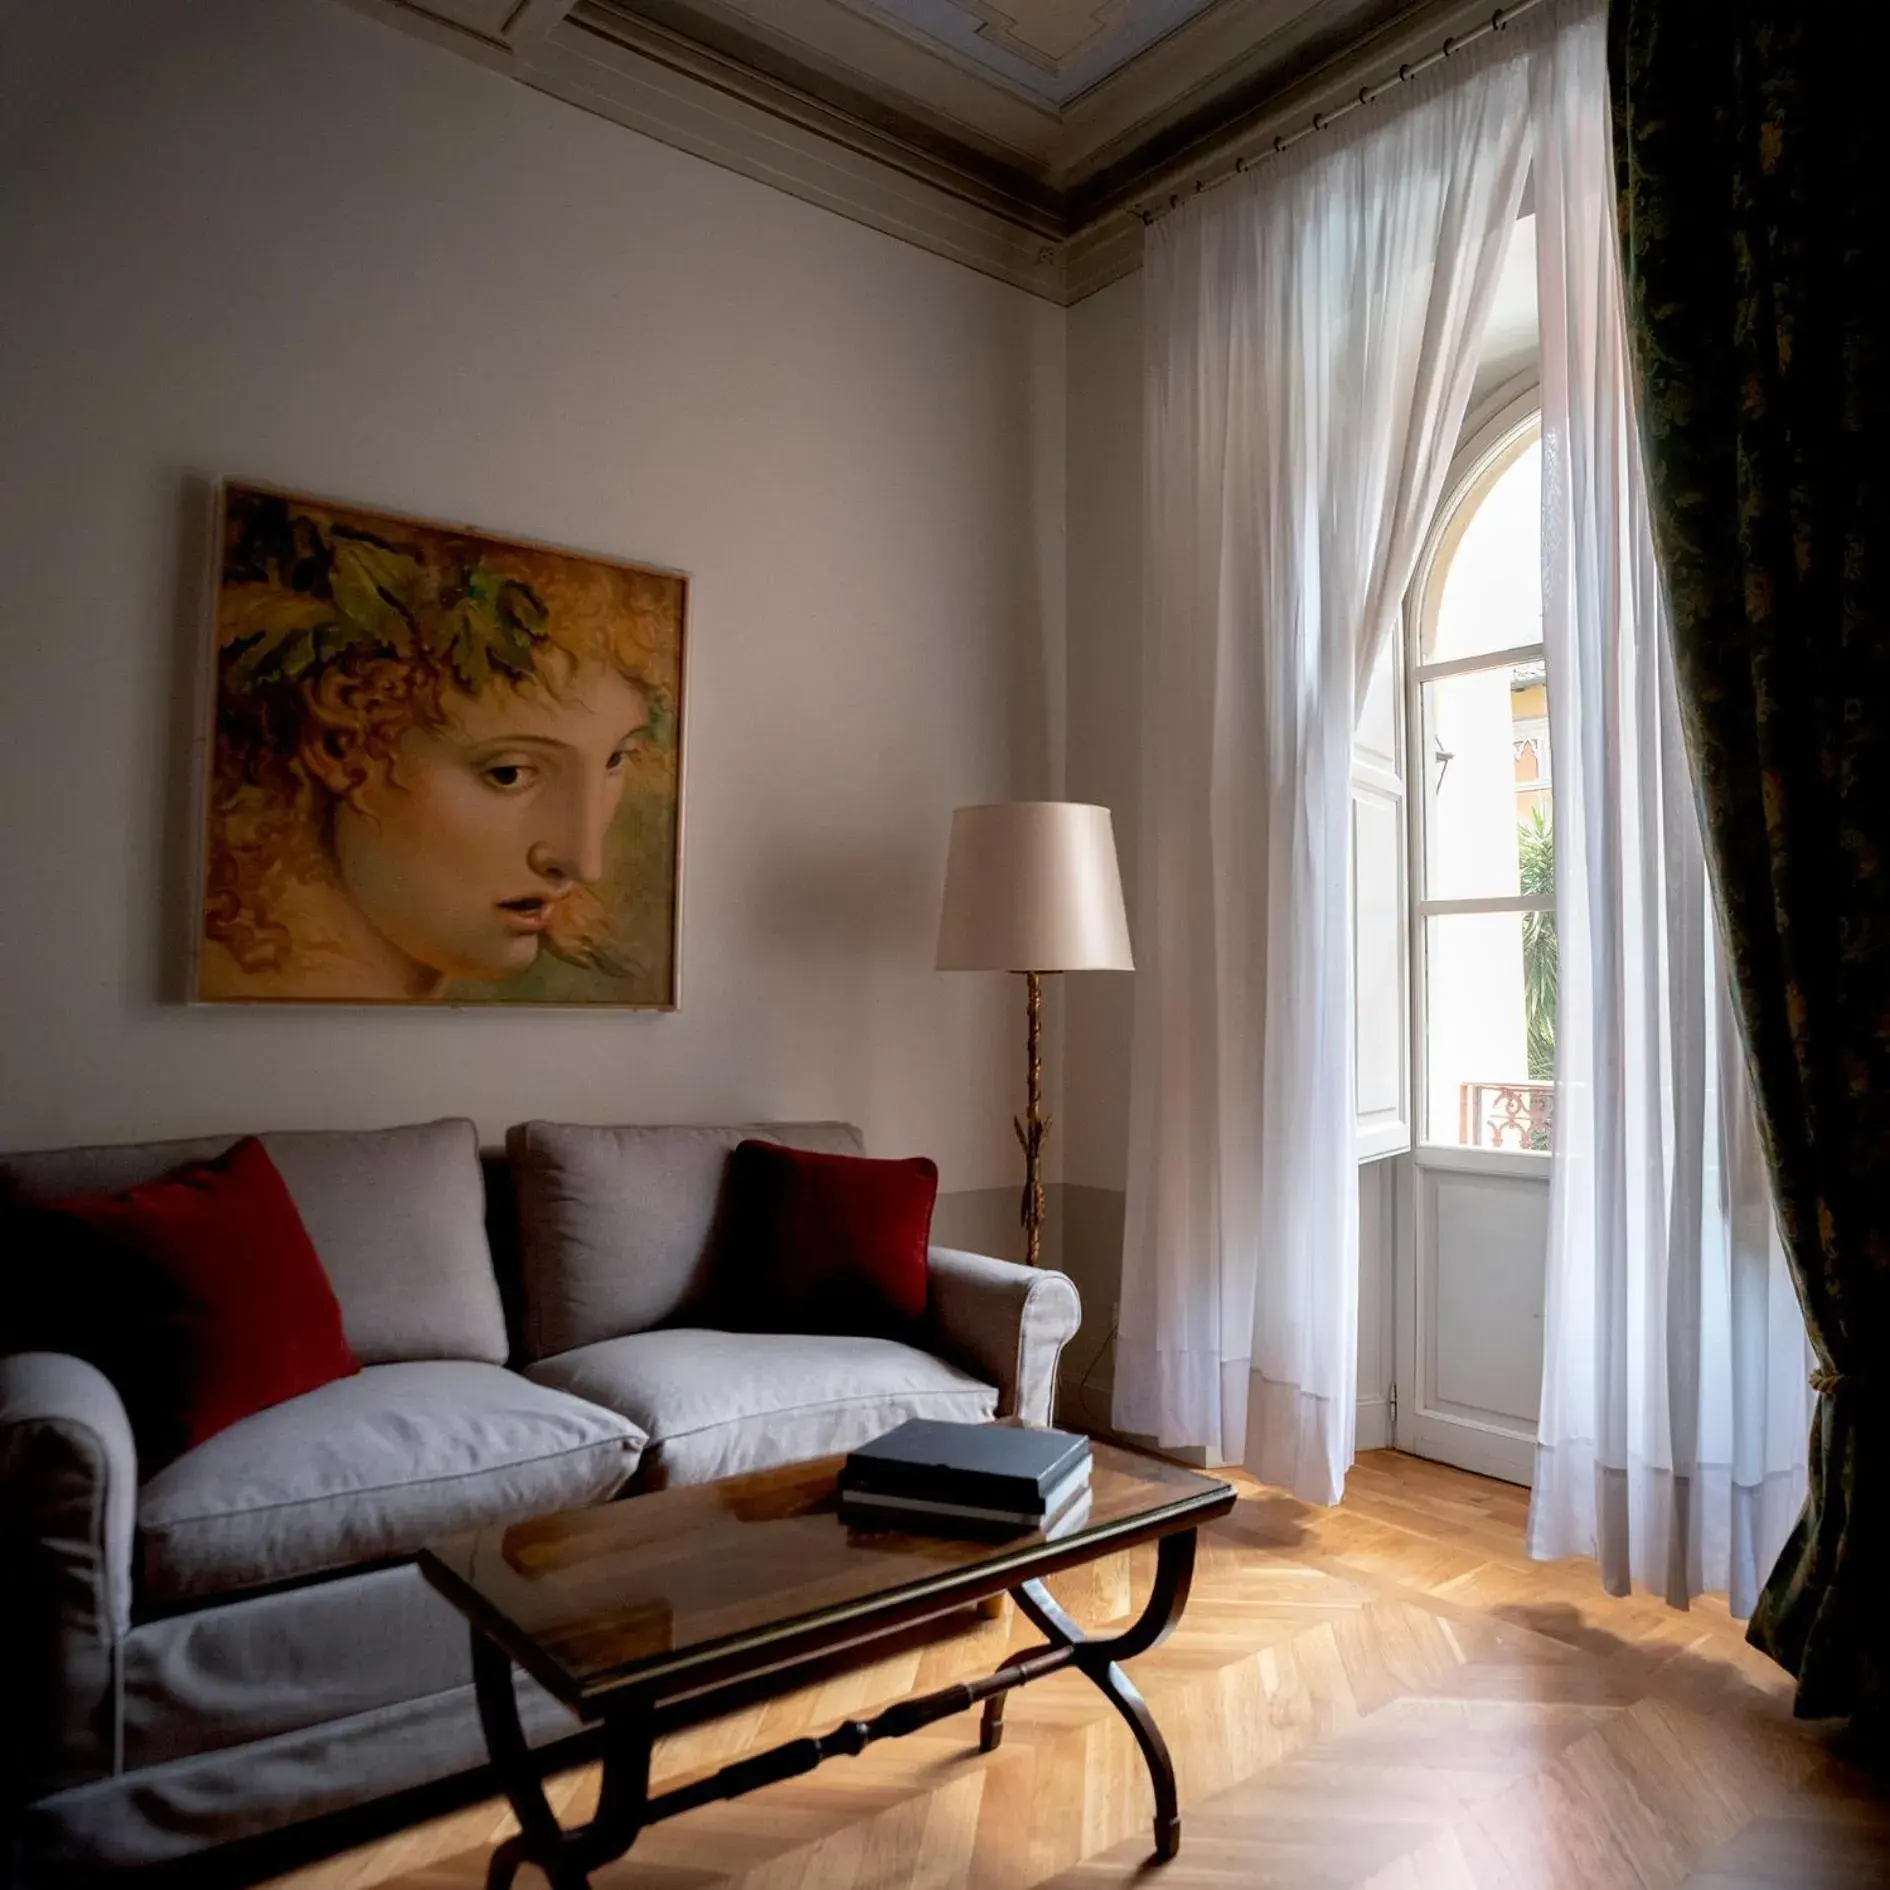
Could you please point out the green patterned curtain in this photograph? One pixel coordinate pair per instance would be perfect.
(1750, 138)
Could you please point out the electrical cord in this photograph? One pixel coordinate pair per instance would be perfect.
(1089, 1372)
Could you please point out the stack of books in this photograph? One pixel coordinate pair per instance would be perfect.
(928, 1477)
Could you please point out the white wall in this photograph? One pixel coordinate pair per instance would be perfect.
(1105, 726)
(273, 238)
(1104, 544)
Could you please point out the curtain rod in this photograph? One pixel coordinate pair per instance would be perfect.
(1453, 45)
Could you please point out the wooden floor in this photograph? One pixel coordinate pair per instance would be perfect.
(1384, 1696)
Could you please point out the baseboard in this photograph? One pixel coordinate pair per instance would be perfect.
(1373, 1433)
(1192, 1456)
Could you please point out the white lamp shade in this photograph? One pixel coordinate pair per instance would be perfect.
(1033, 886)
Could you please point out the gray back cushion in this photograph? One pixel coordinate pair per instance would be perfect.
(617, 1226)
(397, 1216)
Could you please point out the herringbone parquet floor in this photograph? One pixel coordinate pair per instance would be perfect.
(1384, 1696)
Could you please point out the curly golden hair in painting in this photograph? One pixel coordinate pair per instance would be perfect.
(340, 634)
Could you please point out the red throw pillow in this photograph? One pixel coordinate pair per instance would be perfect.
(828, 1243)
(219, 1304)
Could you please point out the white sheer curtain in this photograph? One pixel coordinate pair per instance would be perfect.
(1311, 337)
(1675, 1406)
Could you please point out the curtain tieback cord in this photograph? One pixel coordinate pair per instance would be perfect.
(1827, 1384)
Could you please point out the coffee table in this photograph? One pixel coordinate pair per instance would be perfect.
(663, 1610)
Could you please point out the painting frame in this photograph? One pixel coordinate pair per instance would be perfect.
(207, 983)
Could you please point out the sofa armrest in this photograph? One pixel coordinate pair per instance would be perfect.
(68, 1496)
(1008, 1322)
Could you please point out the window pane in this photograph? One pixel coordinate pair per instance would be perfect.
(1492, 591)
(1490, 1029)
(1488, 824)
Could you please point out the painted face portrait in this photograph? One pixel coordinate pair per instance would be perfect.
(445, 767)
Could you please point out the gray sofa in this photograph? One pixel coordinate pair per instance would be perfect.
(241, 1641)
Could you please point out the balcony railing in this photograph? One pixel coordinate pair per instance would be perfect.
(1506, 1115)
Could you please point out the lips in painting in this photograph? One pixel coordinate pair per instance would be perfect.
(531, 913)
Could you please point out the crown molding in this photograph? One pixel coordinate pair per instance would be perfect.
(1227, 49)
(862, 44)
(1104, 252)
(1205, 151)
(788, 88)
(949, 174)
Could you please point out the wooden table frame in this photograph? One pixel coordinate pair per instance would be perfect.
(634, 1714)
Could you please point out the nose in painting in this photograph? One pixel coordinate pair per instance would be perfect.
(572, 847)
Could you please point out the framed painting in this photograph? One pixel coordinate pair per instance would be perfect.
(443, 767)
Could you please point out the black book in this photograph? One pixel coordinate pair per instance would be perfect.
(929, 1515)
(1008, 1468)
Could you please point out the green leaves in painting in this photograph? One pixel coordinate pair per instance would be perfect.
(378, 588)
(488, 624)
(279, 635)
(300, 596)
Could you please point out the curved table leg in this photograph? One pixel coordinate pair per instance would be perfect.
(1100, 1660)
(566, 1857)
(1122, 1693)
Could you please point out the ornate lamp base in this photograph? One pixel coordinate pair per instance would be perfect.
(1034, 1125)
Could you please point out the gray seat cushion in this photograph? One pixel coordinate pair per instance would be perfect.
(714, 1404)
(371, 1467)
(617, 1225)
(397, 1216)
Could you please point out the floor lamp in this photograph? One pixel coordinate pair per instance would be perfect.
(1032, 886)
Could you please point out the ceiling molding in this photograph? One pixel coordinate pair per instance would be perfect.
(840, 104)
(792, 90)
(1105, 252)
(1207, 152)
(853, 39)
(1224, 51)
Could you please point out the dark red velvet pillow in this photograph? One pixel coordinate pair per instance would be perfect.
(208, 1300)
(828, 1243)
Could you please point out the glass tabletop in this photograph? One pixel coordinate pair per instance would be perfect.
(758, 1567)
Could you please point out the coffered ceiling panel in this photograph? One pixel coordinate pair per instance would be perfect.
(1053, 49)
(488, 18)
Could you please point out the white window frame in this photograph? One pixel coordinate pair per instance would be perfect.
(1379, 781)
(1489, 451)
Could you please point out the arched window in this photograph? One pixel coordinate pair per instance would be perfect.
(1484, 827)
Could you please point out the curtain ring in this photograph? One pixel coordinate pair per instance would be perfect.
(1404, 73)
(1319, 121)
(1450, 45)
(1364, 94)
(1279, 145)
(1498, 20)
(1240, 167)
